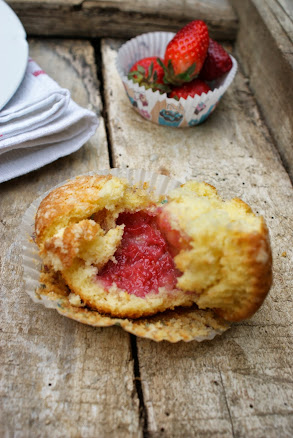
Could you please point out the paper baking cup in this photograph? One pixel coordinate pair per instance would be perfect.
(185, 324)
(156, 107)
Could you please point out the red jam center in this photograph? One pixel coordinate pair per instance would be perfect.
(143, 261)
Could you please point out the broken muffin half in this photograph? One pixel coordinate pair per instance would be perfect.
(127, 254)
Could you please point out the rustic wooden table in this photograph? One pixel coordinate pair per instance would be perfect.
(60, 378)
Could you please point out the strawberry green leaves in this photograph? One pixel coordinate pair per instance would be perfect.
(171, 78)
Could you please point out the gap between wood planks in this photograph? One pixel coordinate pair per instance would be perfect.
(143, 417)
(98, 59)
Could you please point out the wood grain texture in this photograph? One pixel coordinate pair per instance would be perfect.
(241, 384)
(283, 14)
(267, 57)
(116, 18)
(58, 377)
(287, 7)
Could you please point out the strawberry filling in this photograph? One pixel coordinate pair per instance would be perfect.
(143, 260)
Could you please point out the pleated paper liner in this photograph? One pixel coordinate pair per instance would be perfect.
(156, 107)
(47, 288)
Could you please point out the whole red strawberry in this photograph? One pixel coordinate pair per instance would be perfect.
(217, 62)
(189, 89)
(148, 73)
(186, 52)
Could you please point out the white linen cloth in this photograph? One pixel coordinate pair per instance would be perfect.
(40, 124)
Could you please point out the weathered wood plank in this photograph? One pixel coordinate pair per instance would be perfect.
(58, 377)
(267, 58)
(115, 18)
(239, 385)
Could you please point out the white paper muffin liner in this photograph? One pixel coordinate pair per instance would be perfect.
(181, 324)
(159, 108)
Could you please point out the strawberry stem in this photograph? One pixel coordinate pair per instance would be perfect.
(171, 78)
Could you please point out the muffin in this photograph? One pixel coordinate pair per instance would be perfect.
(127, 253)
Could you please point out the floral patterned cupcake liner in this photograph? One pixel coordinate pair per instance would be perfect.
(156, 107)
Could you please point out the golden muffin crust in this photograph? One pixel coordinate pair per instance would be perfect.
(228, 258)
(83, 197)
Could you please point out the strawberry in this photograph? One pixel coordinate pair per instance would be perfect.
(186, 52)
(217, 62)
(189, 89)
(148, 73)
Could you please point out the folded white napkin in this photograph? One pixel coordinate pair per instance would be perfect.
(40, 124)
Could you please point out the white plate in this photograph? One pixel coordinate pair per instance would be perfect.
(13, 53)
